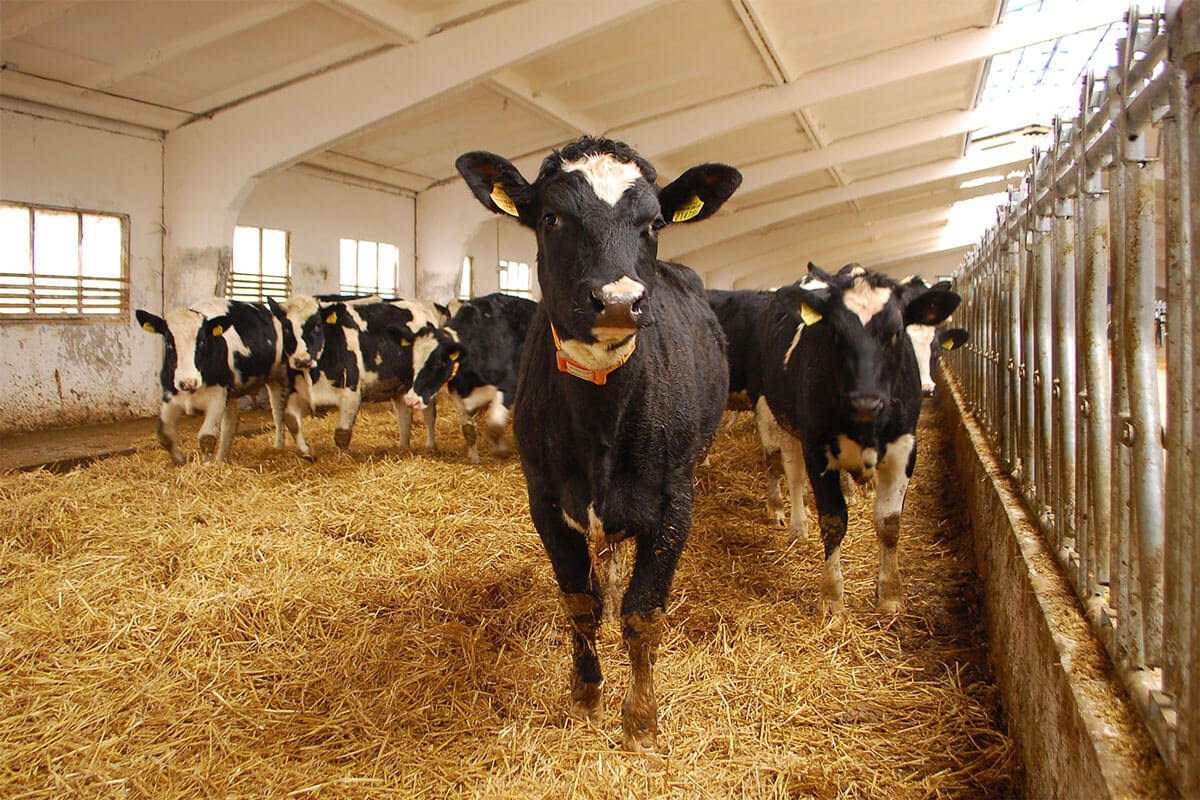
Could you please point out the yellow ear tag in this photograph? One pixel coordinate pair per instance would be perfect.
(503, 201)
(454, 356)
(332, 318)
(217, 331)
(146, 326)
(406, 342)
(809, 314)
(948, 344)
(688, 210)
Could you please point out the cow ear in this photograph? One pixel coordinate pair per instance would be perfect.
(698, 193)
(401, 335)
(217, 326)
(810, 303)
(276, 309)
(444, 311)
(952, 338)
(150, 322)
(497, 184)
(931, 307)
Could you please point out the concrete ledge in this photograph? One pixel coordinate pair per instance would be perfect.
(1079, 733)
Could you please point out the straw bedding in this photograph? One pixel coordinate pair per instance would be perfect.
(389, 627)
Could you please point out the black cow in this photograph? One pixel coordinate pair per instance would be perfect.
(344, 353)
(476, 356)
(843, 392)
(214, 352)
(622, 384)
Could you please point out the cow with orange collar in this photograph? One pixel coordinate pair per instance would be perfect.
(622, 384)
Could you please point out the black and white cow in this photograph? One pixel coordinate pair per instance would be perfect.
(929, 341)
(841, 391)
(344, 353)
(214, 352)
(622, 384)
(476, 356)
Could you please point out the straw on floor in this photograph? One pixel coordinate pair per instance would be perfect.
(388, 626)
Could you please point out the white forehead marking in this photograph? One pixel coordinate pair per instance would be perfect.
(422, 349)
(866, 300)
(608, 177)
(813, 284)
(922, 344)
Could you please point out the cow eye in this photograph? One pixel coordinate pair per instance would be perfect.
(549, 221)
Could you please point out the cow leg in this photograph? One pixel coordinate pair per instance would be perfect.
(210, 428)
(792, 453)
(893, 472)
(496, 423)
(429, 414)
(347, 413)
(769, 436)
(229, 426)
(832, 516)
(466, 418)
(168, 432)
(568, 552)
(642, 613)
(275, 397)
(404, 416)
(293, 418)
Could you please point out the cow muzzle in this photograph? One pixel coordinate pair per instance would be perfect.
(187, 384)
(302, 362)
(618, 306)
(413, 400)
(927, 389)
(866, 407)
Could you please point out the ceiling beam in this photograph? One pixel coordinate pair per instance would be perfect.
(725, 226)
(716, 259)
(385, 18)
(684, 128)
(193, 40)
(35, 16)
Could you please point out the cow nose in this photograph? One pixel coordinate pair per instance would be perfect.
(189, 385)
(302, 362)
(866, 406)
(927, 389)
(413, 400)
(618, 304)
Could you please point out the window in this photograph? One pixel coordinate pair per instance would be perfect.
(262, 265)
(369, 267)
(466, 287)
(62, 263)
(514, 279)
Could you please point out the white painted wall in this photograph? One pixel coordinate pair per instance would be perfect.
(55, 374)
(501, 238)
(319, 210)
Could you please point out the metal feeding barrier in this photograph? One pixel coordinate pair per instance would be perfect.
(1069, 363)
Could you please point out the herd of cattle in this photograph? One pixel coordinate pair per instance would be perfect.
(616, 382)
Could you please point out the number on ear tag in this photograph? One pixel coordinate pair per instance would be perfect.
(809, 314)
(688, 210)
(503, 201)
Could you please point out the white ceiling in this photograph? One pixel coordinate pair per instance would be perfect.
(850, 120)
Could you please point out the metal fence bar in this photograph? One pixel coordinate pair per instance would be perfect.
(1064, 370)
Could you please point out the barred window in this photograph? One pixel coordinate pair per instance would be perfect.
(515, 279)
(369, 267)
(62, 263)
(466, 286)
(262, 265)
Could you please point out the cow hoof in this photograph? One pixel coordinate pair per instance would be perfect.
(640, 741)
(777, 516)
(890, 607)
(473, 458)
(178, 458)
(208, 444)
(834, 609)
(585, 702)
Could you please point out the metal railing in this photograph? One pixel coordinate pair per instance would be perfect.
(1066, 377)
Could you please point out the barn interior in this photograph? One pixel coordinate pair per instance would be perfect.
(258, 149)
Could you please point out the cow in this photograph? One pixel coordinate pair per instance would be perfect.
(343, 353)
(929, 341)
(841, 391)
(621, 387)
(214, 352)
(475, 355)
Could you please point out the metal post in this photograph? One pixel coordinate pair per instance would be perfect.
(1063, 389)
(1043, 338)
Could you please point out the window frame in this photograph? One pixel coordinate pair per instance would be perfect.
(123, 283)
(262, 285)
(502, 267)
(356, 288)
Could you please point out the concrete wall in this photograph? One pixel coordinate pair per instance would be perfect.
(501, 238)
(55, 373)
(320, 210)
(1080, 736)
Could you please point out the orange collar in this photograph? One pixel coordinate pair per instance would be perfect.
(596, 376)
(453, 372)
